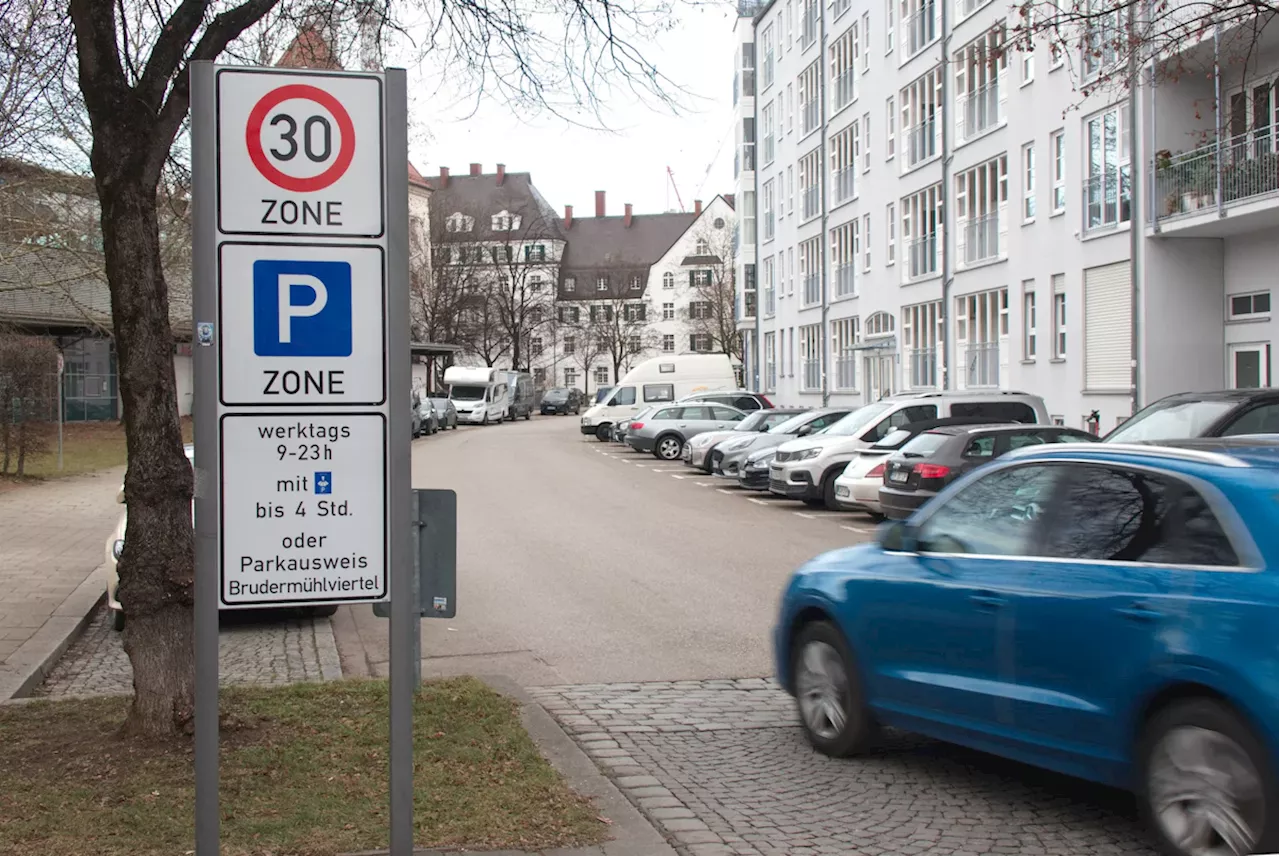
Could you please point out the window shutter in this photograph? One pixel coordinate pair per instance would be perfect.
(1107, 331)
(644, 312)
(693, 341)
(693, 281)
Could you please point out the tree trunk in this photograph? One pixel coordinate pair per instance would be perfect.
(157, 568)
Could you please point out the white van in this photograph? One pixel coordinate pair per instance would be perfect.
(656, 381)
(480, 395)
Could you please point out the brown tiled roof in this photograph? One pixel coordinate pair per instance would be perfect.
(480, 196)
(607, 246)
(309, 49)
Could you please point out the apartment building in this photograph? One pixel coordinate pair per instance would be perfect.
(937, 211)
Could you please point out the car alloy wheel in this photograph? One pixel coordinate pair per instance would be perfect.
(822, 690)
(669, 448)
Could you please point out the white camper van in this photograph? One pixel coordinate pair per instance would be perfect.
(655, 381)
(480, 395)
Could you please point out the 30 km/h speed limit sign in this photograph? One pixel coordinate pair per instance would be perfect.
(299, 159)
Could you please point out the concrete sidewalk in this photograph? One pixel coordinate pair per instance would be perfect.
(52, 542)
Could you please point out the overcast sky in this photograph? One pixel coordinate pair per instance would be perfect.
(569, 163)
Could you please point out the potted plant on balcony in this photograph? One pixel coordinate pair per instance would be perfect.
(1167, 181)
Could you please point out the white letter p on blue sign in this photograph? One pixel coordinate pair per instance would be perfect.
(301, 308)
(290, 310)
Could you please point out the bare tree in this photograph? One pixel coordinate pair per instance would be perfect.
(480, 328)
(622, 329)
(525, 273)
(582, 347)
(711, 314)
(130, 81)
(28, 397)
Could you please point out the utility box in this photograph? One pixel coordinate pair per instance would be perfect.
(435, 536)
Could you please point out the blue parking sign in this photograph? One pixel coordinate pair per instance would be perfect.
(301, 308)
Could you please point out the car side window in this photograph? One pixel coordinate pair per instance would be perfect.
(981, 447)
(1197, 535)
(659, 392)
(1263, 419)
(746, 402)
(725, 414)
(774, 419)
(624, 396)
(826, 420)
(996, 411)
(899, 418)
(668, 413)
(997, 515)
(1027, 438)
(695, 413)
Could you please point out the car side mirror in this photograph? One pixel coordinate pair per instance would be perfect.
(804, 431)
(120, 496)
(898, 536)
(763, 429)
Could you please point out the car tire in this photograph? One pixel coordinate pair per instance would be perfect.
(828, 689)
(668, 447)
(528, 414)
(324, 611)
(1205, 732)
(603, 431)
(829, 488)
(812, 502)
(117, 620)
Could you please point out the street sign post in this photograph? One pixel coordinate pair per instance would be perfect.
(300, 296)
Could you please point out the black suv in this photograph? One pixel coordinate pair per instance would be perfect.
(562, 401)
(1187, 415)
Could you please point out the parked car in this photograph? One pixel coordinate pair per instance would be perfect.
(446, 413)
(561, 401)
(1223, 413)
(741, 399)
(753, 470)
(935, 458)
(1106, 611)
(697, 452)
(729, 456)
(522, 396)
(660, 380)
(415, 417)
(858, 487)
(620, 429)
(665, 431)
(427, 414)
(807, 469)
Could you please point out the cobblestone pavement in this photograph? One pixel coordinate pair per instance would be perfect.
(724, 769)
(268, 648)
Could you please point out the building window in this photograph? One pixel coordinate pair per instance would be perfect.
(921, 108)
(504, 221)
(1028, 319)
(570, 345)
(1028, 65)
(539, 378)
(767, 206)
(636, 283)
(1107, 169)
(810, 114)
(843, 166)
(668, 312)
(791, 191)
(809, 24)
(766, 73)
(668, 280)
(602, 375)
(890, 123)
(1028, 183)
(1059, 316)
(866, 140)
(842, 70)
(701, 247)
(919, 25)
(890, 230)
(701, 277)
(844, 342)
(535, 283)
(865, 47)
(844, 260)
(700, 343)
(1101, 46)
(770, 362)
(748, 146)
(699, 310)
(535, 252)
(982, 320)
(769, 275)
(791, 108)
(570, 284)
(921, 335)
(602, 283)
(767, 120)
(569, 315)
(634, 312)
(535, 346)
(570, 377)
(668, 342)
(888, 25)
(1058, 147)
(811, 183)
(980, 92)
(791, 271)
(1249, 307)
(457, 222)
(811, 357)
(748, 220)
(866, 242)
(965, 8)
(602, 313)
(982, 195)
(921, 228)
(810, 270)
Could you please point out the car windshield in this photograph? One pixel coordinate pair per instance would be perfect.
(556, 395)
(467, 393)
(858, 419)
(1175, 420)
(793, 424)
(752, 422)
(893, 439)
(439, 402)
(926, 444)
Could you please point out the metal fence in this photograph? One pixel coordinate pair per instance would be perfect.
(1239, 168)
(923, 364)
(982, 363)
(922, 256)
(980, 110)
(981, 239)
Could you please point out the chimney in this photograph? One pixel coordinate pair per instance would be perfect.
(444, 177)
(568, 217)
(697, 207)
(599, 203)
(475, 169)
(502, 173)
(626, 220)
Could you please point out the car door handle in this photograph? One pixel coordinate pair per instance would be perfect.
(987, 600)
(681, 425)
(1139, 611)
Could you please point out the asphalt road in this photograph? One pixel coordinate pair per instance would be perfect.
(581, 562)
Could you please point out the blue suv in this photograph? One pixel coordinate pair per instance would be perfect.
(1108, 611)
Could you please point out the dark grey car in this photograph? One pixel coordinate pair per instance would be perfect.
(727, 457)
(664, 433)
(446, 414)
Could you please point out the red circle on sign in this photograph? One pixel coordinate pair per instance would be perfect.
(253, 138)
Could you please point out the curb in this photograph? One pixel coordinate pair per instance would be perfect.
(28, 667)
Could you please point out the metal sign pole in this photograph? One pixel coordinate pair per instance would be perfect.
(204, 218)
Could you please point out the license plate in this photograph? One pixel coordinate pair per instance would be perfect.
(898, 476)
(841, 490)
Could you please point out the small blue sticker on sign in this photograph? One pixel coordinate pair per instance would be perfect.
(440, 604)
(324, 482)
(204, 333)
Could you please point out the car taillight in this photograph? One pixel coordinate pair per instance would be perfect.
(932, 471)
(768, 405)
(636, 426)
(876, 473)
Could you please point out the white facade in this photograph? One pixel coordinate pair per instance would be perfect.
(744, 168)
(924, 223)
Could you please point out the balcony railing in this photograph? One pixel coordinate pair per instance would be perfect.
(768, 149)
(810, 202)
(1189, 183)
(812, 115)
(846, 184)
(1106, 197)
(965, 8)
(920, 28)
(922, 142)
(812, 289)
(982, 364)
(770, 376)
(845, 88)
(980, 239)
(846, 371)
(979, 111)
(769, 307)
(749, 156)
(923, 366)
(846, 284)
(812, 374)
(768, 225)
(809, 26)
(922, 257)
(749, 304)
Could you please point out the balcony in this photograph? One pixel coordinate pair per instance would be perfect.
(979, 111)
(922, 363)
(1106, 198)
(920, 29)
(845, 88)
(846, 283)
(810, 207)
(812, 115)
(812, 379)
(921, 143)
(979, 239)
(1236, 170)
(982, 365)
(845, 184)
(922, 258)
(846, 371)
(812, 289)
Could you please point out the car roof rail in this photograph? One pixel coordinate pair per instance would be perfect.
(1154, 450)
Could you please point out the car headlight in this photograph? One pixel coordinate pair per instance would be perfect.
(735, 445)
(807, 454)
(117, 548)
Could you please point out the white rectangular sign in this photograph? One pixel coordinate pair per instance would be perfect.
(300, 153)
(301, 324)
(304, 511)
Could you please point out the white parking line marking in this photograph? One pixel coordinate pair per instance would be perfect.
(726, 492)
(805, 516)
(857, 529)
(756, 501)
(674, 476)
(705, 484)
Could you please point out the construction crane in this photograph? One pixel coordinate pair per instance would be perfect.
(672, 178)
